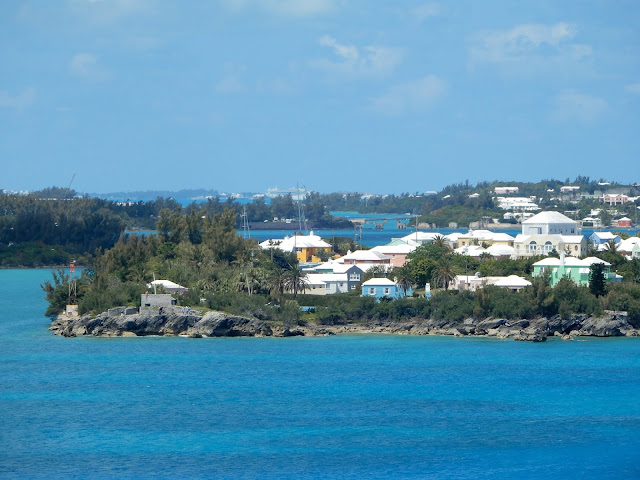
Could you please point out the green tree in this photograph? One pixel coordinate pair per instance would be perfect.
(597, 285)
(443, 274)
(404, 277)
(295, 279)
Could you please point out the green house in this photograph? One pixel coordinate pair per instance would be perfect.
(576, 269)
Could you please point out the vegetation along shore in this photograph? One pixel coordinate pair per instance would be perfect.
(437, 286)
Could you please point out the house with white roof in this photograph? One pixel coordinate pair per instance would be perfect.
(517, 204)
(397, 254)
(576, 269)
(168, 286)
(532, 245)
(629, 247)
(306, 247)
(495, 251)
(478, 237)
(475, 282)
(327, 283)
(366, 257)
(548, 231)
(549, 223)
(600, 240)
(418, 237)
(383, 288)
(351, 274)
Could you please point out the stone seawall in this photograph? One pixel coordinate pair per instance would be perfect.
(121, 322)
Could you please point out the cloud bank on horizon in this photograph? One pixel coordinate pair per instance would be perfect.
(388, 97)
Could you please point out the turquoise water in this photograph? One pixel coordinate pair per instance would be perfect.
(350, 407)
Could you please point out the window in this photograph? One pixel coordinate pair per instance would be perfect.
(387, 290)
(353, 287)
(372, 290)
(575, 248)
(355, 277)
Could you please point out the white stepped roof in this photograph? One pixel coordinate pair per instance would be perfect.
(320, 278)
(395, 249)
(364, 255)
(570, 262)
(513, 281)
(289, 244)
(548, 217)
(379, 281)
(167, 284)
(500, 250)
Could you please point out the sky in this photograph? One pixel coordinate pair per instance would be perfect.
(334, 95)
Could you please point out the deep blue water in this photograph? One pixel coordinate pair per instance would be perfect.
(373, 407)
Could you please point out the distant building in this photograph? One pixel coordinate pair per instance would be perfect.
(306, 247)
(532, 245)
(624, 222)
(397, 254)
(383, 288)
(475, 282)
(569, 189)
(153, 301)
(478, 237)
(505, 190)
(365, 257)
(573, 268)
(168, 286)
(549, 223)
(600, 240)
(614, 198)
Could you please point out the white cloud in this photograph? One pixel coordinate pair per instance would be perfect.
(527, 41)
(292, 8)
(633, 88)
(86, 66)
(231, 82)
(108, 11)
(578, 107)
(411, 97)
(19, 101)
(425, 11)
(358, 62)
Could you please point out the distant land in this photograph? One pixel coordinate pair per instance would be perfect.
(153, 194)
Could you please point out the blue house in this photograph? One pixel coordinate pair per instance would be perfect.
(383, 288)
(602, 238)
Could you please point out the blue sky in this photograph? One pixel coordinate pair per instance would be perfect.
(361, 95)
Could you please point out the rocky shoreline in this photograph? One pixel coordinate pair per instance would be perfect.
(122, 322)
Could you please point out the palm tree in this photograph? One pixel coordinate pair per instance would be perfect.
(404, 278)
(442, 242)
(295, 279)
(612, 246)
(276, 282)
(443, 275)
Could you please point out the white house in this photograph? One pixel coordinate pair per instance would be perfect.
(168, 285)
(475, 282)
(550, 223)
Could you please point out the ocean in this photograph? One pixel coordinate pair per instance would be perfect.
(340, 407)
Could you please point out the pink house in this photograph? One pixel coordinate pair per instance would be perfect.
(624, 222)
(397, 254)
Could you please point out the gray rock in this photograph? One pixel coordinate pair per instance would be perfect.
(483, 326)
(530, 335)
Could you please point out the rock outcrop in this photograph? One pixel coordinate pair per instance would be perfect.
(174, 321)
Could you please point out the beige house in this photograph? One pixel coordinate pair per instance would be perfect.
(531, 245)
(478, 237)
